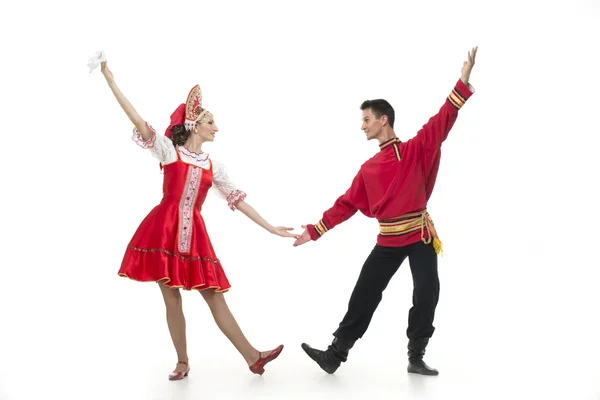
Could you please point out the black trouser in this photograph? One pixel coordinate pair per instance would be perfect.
(377, 271)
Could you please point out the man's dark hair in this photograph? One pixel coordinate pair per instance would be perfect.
(380, 107)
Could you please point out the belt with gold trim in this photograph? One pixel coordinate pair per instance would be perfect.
(412, 222)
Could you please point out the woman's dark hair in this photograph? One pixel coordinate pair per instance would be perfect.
(179, 135)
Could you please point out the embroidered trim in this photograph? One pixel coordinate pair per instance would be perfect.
(201, 160)
(397, 152)
(186, 208)
(139, 140)
(166, 281)
(456, 99)
(235, 197)
(191, 124)
(321, 228)
(399, 227)
(412, 222)
(200, 157)
(388, 143)
(394, 142)
(193, 107)
(212, 260)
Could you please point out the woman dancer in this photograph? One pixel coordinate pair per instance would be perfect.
(171, 245)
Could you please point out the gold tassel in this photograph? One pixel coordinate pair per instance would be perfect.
(437, 246)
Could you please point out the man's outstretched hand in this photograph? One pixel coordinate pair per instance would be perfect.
(468, 66)
(305, 237)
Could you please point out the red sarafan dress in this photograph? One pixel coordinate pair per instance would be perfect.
(172, 243)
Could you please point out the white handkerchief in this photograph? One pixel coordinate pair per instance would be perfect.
(96, 59)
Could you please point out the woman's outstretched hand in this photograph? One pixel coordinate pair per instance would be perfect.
(284, 231)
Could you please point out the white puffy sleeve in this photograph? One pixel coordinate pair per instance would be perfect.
(161, 147)
(225, 187)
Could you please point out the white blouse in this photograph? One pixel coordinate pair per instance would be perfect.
(163, 149)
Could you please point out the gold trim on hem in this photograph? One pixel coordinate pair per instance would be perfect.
(166, 280)
(212, 260)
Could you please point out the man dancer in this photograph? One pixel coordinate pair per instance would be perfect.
(394, 187)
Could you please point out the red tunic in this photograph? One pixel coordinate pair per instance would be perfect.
(400, 178)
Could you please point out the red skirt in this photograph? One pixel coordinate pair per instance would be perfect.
(154, 253)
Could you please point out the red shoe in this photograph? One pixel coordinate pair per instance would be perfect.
(259, 366)
(177, 376)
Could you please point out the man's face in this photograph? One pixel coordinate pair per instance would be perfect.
(371, 125)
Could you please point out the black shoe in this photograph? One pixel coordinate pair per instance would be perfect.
(324, 358)
(419, 367)
(330, 359)
(416, 351)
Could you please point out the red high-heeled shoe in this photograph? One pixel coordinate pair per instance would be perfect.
(259, 366)
(177, 376)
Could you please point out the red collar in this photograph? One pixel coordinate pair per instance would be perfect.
(388, 143)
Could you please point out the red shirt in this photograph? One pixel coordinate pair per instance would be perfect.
(400, 178)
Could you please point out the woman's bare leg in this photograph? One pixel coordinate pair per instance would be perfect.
(176, 323)
(229, 326)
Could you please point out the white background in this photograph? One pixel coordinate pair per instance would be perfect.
(515, 202)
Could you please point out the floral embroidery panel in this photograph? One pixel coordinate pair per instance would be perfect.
(186, 208)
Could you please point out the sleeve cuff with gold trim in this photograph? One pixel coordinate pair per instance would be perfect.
(460, 94)
(317, 230)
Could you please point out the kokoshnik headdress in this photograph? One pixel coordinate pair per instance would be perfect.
(190, 113)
